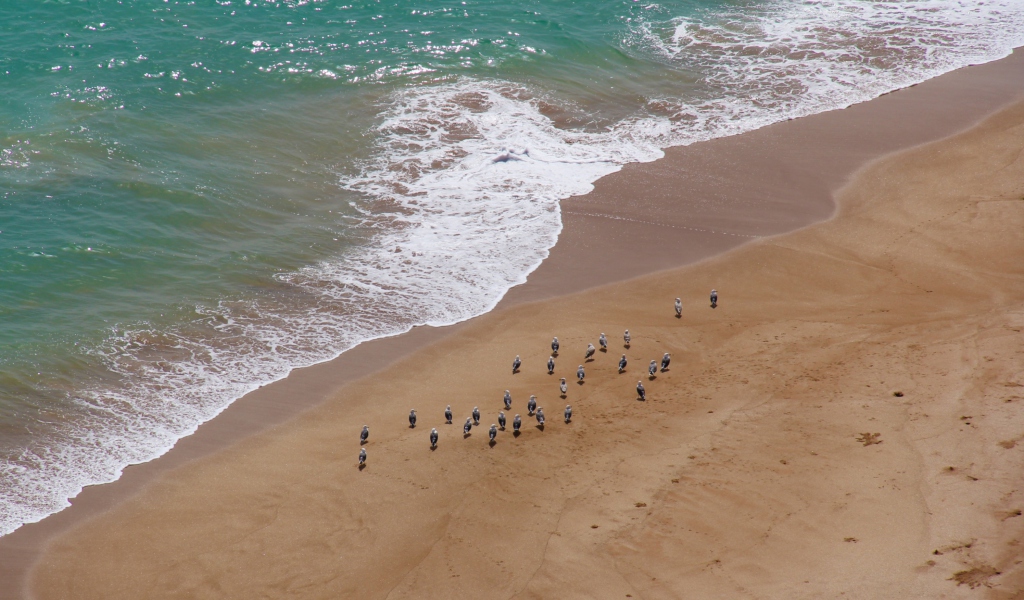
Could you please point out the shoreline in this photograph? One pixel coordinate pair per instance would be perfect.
(797, 167)
(844, 423)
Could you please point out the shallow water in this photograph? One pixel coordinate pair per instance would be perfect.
(196, 197)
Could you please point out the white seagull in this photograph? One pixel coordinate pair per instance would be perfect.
(622, 363)
(531, 405)
(448, 414)
(501, 420)
(554, 346)
(540, 416)
(626, 338)
(568, 413)
(362, 456)
(433, 438)
(551, 365)
(590, 352)
(603, 341)
(515, 364)
(412, 418)
(508, 400)
(714, 298)
(562, 386)
(492, 433)
(468, 426)
(664, 362)
(517, 422)
(476, 416)
(580, 373)
(363, 435)
(653, 368)
(640, 390)
(679, 307)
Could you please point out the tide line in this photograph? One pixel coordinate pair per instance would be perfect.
(698, 229)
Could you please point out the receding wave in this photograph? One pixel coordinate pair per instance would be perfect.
(759, 63)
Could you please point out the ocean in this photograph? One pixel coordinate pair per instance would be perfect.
(198, 196)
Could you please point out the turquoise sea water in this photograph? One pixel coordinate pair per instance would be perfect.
(196, 197)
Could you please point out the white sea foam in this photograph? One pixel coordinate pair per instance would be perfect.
(462, 199)
(770, 61)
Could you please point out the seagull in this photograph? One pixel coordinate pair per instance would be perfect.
(640, 390)
(467, 426)
(664, 362)
(362, 456)
(561, 386)
(653, 368)
(433, 438)
(551, 365)
(515, 364)
(448, 414)
(590, 352)
(508, 400)
(622, 363)
(626, 338)
(714, 298)
(412, 418)
(580, 373)
(554, 346)
(501, 420)
(517, 422)
(493, 433)
(568, 413)
(476, 416)
(540, 416)
(679, 307)
(604, 343)
(365, 434)
(531, 405)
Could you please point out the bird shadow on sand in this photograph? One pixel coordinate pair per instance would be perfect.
(589, 360)
(491, 443)
(577, 383)
(361, 467)
(679, 316)
(466, 435)
(651, 377)
(563, 396)
(626, 346)
(714, 305)
(516, 433)
(541, 427)
(432, 448)
(604, 349)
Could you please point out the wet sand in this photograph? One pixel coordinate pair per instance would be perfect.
(202, 520)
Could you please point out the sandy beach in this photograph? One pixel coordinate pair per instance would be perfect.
(845, 423)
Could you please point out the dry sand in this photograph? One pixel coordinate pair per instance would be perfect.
(848, 422)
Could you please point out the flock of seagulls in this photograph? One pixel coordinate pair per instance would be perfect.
(531, 406)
